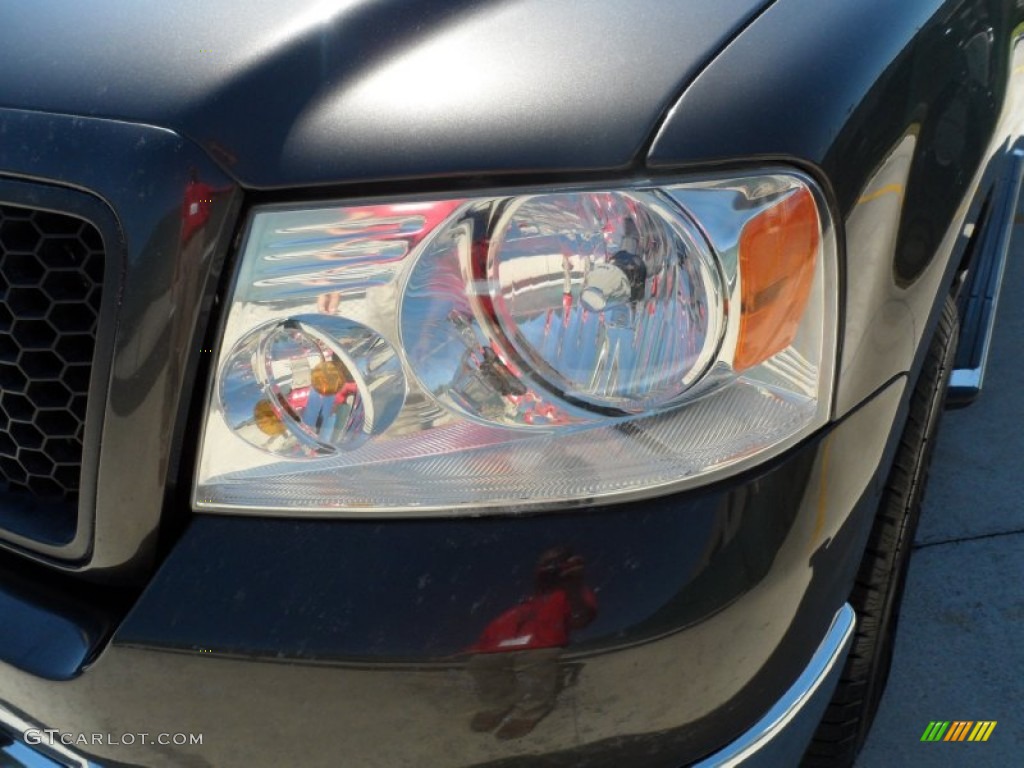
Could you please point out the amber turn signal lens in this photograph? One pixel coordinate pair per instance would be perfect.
(778, 250)
(329, 377)
(267, 420)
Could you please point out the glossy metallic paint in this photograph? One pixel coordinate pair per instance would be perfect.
(342, 91)
(905, 109)
(710, 606)
(345, 638)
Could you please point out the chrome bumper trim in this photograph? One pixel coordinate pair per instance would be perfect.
(778, 738)
(782, 735)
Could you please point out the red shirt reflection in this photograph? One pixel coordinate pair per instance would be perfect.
(561, 603)
(195, 209)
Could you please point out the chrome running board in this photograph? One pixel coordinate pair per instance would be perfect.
(978, 311)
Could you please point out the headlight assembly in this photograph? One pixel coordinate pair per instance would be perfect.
(539, 350)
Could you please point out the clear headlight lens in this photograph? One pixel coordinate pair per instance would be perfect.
(580, 306)
(310, 386)
(512, 351)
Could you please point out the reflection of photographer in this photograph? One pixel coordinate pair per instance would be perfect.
(516, 666)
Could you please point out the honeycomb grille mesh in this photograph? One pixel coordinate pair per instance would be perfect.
(51, 274)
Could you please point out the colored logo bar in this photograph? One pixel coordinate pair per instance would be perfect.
(958, 730)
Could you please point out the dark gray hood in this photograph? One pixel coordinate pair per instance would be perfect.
(316, 92)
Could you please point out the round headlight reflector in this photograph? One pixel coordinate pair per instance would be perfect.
(612, 298)
(310, 386)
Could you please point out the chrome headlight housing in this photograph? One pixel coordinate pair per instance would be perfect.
(553, 348)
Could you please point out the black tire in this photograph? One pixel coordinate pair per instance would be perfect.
(878, 591)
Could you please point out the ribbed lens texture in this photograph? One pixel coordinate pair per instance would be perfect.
(582, 466)
(51, 270)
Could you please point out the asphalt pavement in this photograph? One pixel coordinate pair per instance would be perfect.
(960, 649)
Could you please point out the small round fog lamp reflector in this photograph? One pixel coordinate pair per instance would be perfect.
(613, 298)
(310, 386)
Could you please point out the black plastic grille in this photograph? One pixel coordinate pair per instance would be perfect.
(51, 275)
